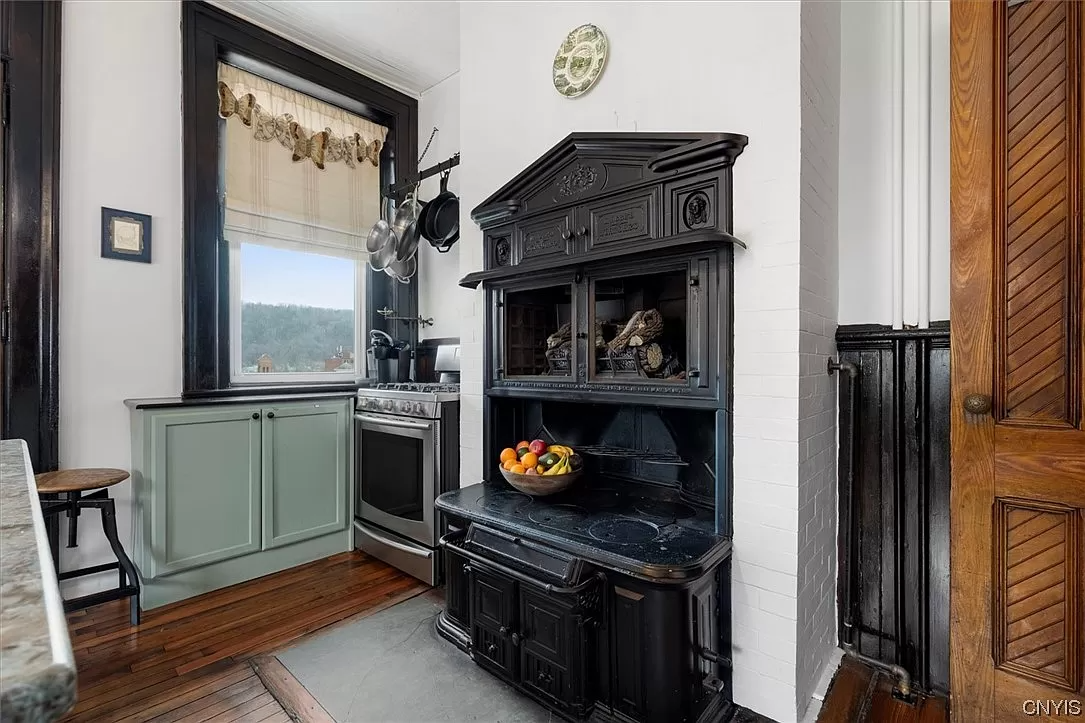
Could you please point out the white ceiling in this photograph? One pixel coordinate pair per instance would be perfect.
(410, 46)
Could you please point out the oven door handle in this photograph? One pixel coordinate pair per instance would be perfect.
(385, 421)
(393, 543)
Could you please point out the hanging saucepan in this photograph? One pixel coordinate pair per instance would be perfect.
(402, 271)
(440, 219)
(379, 236)
(385, 255)
(405, 227)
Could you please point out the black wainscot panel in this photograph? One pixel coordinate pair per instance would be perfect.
(894, 516)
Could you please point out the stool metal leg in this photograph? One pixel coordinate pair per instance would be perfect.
(109, 526)
(73, 519)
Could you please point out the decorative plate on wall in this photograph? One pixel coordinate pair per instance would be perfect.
(579, 61)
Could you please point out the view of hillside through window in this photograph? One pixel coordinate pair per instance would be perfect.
(297, 311)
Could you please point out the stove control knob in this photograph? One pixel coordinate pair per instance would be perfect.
(419, 408)
(387, 405)
(405, 407)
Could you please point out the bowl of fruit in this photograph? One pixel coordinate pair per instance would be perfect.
(537, 468)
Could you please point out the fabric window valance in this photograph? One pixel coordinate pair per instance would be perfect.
(291, 187)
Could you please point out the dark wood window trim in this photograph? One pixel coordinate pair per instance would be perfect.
(210, 35)
(30, 48)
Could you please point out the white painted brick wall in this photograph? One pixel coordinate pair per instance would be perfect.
(818, 224)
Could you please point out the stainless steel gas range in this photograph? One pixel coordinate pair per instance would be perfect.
(408, 447)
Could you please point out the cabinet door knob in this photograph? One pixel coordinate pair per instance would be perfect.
(566, 234)
(582, 231)
(516, 639)
(504, 631)
(271, 415)
(491, 648)
(466, 569)
(256, 415)
(977, 403)
(544, 677)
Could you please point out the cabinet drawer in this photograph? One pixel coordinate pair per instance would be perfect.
(546, 236)
(621, 222)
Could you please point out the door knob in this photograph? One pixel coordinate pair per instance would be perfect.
(271, 415)
(491, 649)
(256, 415)
(977, 403)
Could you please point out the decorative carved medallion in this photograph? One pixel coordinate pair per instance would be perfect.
(577, 181)
(695, 209)
(502, 251)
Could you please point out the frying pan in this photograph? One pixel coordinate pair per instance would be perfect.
(379, 236)
(440, 219)
(406, 228)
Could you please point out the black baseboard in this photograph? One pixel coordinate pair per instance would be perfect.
(894, 516)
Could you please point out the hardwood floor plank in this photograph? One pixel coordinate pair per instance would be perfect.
(238, 712)
(188, 661)
(847, 693)
(292, 695)
(261, 714)
(236, 694)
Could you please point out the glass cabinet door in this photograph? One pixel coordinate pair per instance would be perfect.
(654, 328)
(536, 333)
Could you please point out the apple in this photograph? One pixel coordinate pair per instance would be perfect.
(538, 446)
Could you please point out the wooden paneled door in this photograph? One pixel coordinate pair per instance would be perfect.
(1018, 445)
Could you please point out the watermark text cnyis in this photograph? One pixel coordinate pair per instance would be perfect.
(1066, 707)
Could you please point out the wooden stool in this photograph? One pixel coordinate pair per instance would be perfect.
(73, 483)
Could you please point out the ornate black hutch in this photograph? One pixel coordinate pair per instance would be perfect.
(608, 285)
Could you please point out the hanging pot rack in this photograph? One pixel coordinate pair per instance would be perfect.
(412, 181)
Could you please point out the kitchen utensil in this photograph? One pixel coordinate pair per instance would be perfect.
(385, 255)
(405, 226)
(379, 236)
(540, 485)
(440, 218)
(402, 271)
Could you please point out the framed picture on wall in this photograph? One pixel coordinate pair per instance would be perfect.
(126, 235)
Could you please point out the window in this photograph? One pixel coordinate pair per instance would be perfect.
(276, 287)
(296, 315)
(299, 204)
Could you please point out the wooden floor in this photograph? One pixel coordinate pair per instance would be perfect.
(860, 694)
(191, 661)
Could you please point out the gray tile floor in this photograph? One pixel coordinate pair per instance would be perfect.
(392, 667)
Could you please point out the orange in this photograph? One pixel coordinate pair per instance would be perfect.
(522, 444)
(508, 464)
(518, 469)
(529, 460)
(508, 453)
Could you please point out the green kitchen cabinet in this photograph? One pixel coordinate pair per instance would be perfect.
(305, 460)
(205, 504)
(225, 493)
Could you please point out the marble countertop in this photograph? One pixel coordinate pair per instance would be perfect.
(37, 669)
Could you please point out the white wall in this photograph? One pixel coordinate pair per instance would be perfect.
(120, 322)
(818, 222)
(735, 68)
(894, 162)
(439, 294)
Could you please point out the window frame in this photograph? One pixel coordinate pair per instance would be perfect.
(211, 35)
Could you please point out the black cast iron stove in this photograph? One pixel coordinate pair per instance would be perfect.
(607, 273)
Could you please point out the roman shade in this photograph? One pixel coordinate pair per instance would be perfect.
(300, 173)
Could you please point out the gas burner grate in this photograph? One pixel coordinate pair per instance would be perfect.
(647, 456)
(428, 388)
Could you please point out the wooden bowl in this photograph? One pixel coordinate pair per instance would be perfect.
(540, 485)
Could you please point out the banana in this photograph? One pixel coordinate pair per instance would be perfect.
(560, 449)
(559, 466)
